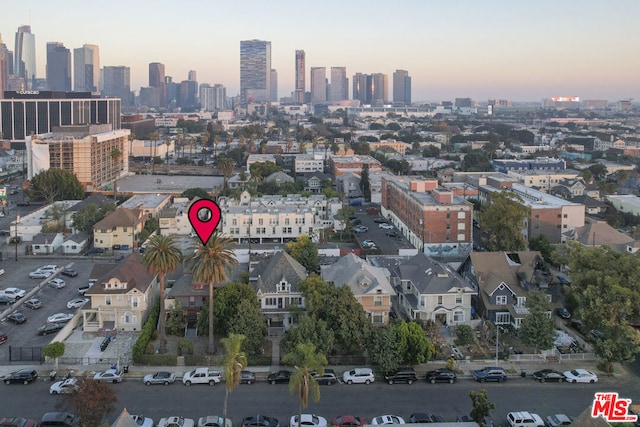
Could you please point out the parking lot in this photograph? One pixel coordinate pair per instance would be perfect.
(387, 245)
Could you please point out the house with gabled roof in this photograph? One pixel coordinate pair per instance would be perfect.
(46, 243)
(502, 280)
(275, 280)
(76, 243)
(370, 285)
(119, 229)
(279, 178)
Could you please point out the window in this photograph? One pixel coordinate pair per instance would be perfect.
(501, 300)
(458, 316)
(462, 215)
(502, 318)
(378, 318)
(107, 300)
(459, 299)
(439, 299)
(377, 300)
(270, 301)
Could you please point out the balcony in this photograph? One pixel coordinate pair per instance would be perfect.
(520, 309)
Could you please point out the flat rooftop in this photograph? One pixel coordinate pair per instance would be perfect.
(167, 184)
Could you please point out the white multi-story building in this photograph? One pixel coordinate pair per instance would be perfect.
(309, 163)
(276, 219)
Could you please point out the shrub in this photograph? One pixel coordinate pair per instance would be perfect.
(140, 346)
(465, 335)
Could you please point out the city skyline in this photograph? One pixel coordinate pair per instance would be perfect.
(495, 49)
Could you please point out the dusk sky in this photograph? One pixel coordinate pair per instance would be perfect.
(523, 51)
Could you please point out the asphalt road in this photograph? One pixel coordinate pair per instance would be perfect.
(447, 400)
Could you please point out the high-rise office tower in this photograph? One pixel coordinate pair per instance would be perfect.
(187, 94)
(274, 85)
(25, 55)
(192, 76)
(255, 71)
(361, 84)
(298, 94)
(339, 84)
(212, 98)
(401, 87)
(371, 88)
(117, 84)
(318, 85)
(5, 67)
(157, 80)
(380, 88)
(86, 68)
(58, 67)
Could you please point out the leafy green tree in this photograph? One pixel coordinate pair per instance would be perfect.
(234, 362)
(383, 348)
(465, 335)
(430, 151)
(306, 361)
(151, 225)
(85, 218)
(414, 343)
(54, 350)
(309, 329)
(305, 251)
(549, 252)
(537, 328)
(162, 256)
(263, 169)
(476, 161)
(599, 171)
(227, 304)
(191, 193)
(249, 321)
(92, 401)
(481, 406)
(502, 218)
(55, 184)
(365, 185)
(211, 264)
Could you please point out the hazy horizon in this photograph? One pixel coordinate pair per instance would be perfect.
(493, 49)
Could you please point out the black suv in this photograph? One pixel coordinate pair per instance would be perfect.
(402, 375)
(441, 376)
(279, 377)
(24, 376)
(328, 378)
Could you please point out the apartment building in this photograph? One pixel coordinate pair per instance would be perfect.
(353, 163)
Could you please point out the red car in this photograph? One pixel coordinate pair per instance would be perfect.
(349, 421)
(3, 337)
(17, 422)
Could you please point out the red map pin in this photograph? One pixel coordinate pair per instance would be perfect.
(204, 216)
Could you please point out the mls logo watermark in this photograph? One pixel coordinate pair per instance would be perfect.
(612, 408)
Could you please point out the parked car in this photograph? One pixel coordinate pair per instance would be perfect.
(49, 267)
(143, 421)
(162, 377)
(94, 251)
(558, 420)
(39, 274)
(175, 422)
(368, 244)
(33, 303)
(392, 233)
(358, 376)
(387, 419)
(7, 299)
(442, 375)
(562, 313)
(548, 375)
(201, 376)
(380, 220)
(385, 226)
(361, 229)
(23, 376)
(56, 283)
(402, 375)
(16, 293)
(310, 420)
(422, 417)
(17, 317)
(490, 373)
(349, 421)
(214, 421)
(279, 377)
(83, 289)
(327, 378)
(247, 377)
(77, 303)
(580, 376)
(17, 422)
(50, 328)
(110, 375)
(488, 422)
(69, 272)
(260, 421)
(524, 419)
(60, 317)
(3, 337)
(64, 387)
(59, 419)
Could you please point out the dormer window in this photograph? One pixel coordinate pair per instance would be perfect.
(283, 286)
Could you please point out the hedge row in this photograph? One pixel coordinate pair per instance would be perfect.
(140, 346)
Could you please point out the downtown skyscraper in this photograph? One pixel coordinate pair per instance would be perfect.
(25, 55)
(371, 88)
(58, 67)
(318, 85)
(117, 84)
(6, 67)
(157, 80)
(339, 90)
(86, 68)
(401, 87)
(298, 94)
(255, 71)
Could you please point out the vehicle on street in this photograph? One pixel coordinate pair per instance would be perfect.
(548, 375)
(385, 226)
(247, 377)
(59, 419)
(3, 337)
(580, 376)
(49, 267)
(64, 386)
(326, 378)
(402, 375)
(490, 373)
(214, 421)
(7, 299)
(162, 377)
(358, 376)
(33, 303)
(60, 317)
(69, 272)
(56, 283)
(50, 328)
(361, 229)
(17, 422)
(16, 293)
(77, 303)
(1, 271)
(368, 244)
(110, 375)
(176, 422)
(442, 375)
(558, 420)
(423, 417)
(17, 318)
(39, 274)
(260, 421)
(387, 419)
(349, 421)
(143, 421)
(392, 233)
(563, 313)
(380, 220)
(524, 419)
(94, 251)
(279, 377)
(310, 420)
(488, 422)
(201, 376)
(23, 376)
(23, 203)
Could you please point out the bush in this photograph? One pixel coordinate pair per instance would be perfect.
(465, 335)
(258, 360)
(147, 331)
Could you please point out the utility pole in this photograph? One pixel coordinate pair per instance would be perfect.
(16, 236)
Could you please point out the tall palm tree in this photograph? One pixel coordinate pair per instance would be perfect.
(306, 360)
(225, 165)
(161, 257)
(235, 360)
(210, 264)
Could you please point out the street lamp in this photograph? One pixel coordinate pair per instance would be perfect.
(15, 238)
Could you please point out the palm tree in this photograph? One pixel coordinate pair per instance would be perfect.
(306, 360)
(235, 360)
(225, 165)
(161, 257)
(210, 264)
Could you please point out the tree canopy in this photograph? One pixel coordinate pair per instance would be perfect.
(85, 218)
(200, 193)
(537, 328)
(305, 251)
(399, 343)
(55, 184)
(92, 401)
(502, 219)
